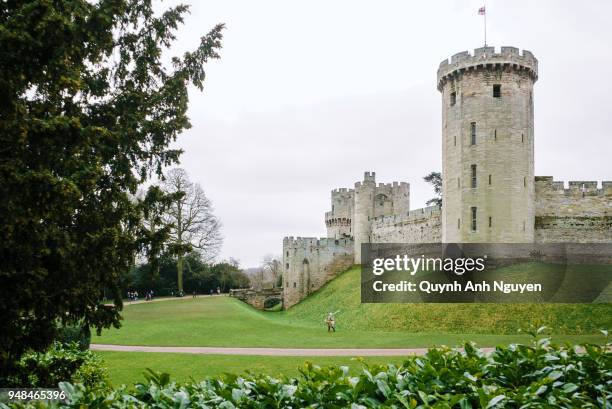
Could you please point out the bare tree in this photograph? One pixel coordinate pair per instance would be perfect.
(193, 224)
(272, 266)
(256, 277)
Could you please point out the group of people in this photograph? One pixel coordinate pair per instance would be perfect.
(132, 295)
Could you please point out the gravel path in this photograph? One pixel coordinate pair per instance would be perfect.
(270, 351)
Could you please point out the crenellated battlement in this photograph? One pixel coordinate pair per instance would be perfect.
(486, 57)
(394, 185)
(580, 188)
(343, 190)
(323, 242)
(342, 196)
(409, 217)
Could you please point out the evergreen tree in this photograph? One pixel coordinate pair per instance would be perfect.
(435, 178)
(88, 110)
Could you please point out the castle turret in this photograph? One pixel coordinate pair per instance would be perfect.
(339, 219)
(487, 146)
(364, 212)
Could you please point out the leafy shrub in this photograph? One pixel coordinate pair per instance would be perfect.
(74, 333)
(525, 376)
(61, 363)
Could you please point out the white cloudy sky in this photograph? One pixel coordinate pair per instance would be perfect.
(309, 94)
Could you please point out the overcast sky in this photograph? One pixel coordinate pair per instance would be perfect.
(308, 95)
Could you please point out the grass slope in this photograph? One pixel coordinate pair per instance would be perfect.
(343, 293)
(224, 321)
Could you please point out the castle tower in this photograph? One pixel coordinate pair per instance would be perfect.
(364, 212)
(487, 146)
(339, 219)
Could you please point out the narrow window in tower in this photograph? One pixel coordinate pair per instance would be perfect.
(495, 134)
(473, 133)
(294, 284)
(489, 180)
(453, 98)
(473, 176)
(287, 253)
(473, 218)
(524, 181)
(458, 182)
(455, 140)
(490, 221)
(523, 138)
(497, 90)
(458, 224)
(287, 266)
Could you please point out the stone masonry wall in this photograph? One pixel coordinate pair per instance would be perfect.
(309, 263)
(417, 226)
(581, 213)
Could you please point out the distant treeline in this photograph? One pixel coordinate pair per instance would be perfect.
(198, 276)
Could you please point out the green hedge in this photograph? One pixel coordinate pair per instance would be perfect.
(516, 376)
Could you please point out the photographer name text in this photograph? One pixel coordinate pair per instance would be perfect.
(455, 287)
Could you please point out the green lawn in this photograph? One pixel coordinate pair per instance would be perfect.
(128, 367)
(224, 321)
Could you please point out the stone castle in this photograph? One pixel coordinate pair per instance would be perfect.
(489, 191)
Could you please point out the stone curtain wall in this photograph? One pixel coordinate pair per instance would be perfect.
(417, 226)
(309, 263)
(581, 213)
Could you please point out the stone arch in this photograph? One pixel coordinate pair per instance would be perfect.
(272, 301)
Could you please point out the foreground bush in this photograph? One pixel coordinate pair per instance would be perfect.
(526, 376)
(59, 363)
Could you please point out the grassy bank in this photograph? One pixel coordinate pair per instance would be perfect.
(223, 321)
(343, 293)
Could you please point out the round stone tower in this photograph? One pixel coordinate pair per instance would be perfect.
(487, 146)
(339, 219)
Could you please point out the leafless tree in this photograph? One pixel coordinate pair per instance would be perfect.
(190, 215)
(272, 266)
(256, 277)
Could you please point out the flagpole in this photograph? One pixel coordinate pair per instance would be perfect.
(485, 22)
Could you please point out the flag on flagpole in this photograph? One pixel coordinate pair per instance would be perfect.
(482, 11)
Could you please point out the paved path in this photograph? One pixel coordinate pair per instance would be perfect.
(186, 297)
(271, 351)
